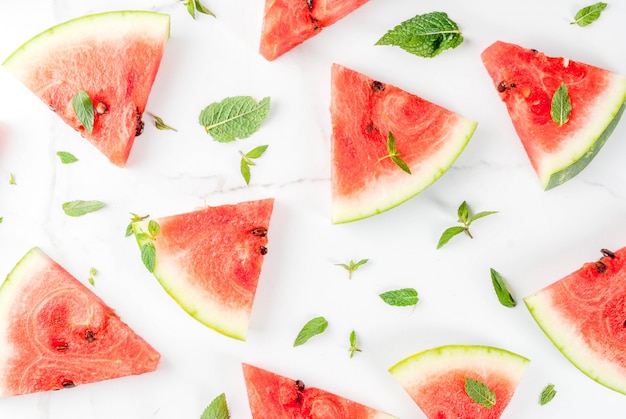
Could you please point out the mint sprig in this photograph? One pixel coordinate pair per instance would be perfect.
(402, 297)
(313, 327)
(195, 6)
(218, 409)
(160, 125)
(352, 266)
(480, 393)
(589, 14)
(83, 108)
(353, 347)
(502, 292)
(134, 219)
(146, 243)
(234, 117)
(80, 207)
(394, 154)
(561, 106)
(424, 35)
(466, 219)
(247, 161)
(547, 394)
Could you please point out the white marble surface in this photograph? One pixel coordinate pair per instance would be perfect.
(536, 238)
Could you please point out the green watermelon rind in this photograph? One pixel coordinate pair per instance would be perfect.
(70, 29)
(567, 339)
(193, 300)
(571, 161)
(345, 210)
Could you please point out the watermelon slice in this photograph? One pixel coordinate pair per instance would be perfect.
(527, 79)
(57, 334)
(584, 315)
(364, 111)
(274, 396)
(435, 379)
(113, 57)
(210, 260)
(288, 23)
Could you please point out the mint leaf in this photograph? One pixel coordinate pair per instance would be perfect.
(353, 348)
(218, 409)
(352, 266)
(148, 255)
(589, 14)
(194, 6)
(66, 157)
(466, 218)
(92, 273)
(547, 394)
(234, 117)
(246, 161)
(400, 298)
(12, 179)
(83, 108)
(503, 294)
(134, 218)
(80, 207)
(394, 155)
(448, 234)
(153, 228)
(480, 393)
(561, 105)
(313, 327)
(424, 35)
(159, 124)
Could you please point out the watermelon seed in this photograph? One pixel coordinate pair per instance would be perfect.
(52, 108)
(61, 347)
(624, 324)
(140, 124)
(607, 252)
(377, 86)
(502, 86)
(601, 267)
(263, 250)
(260, 232)
(101, 108)
(68, 384)
(299, 385)
(310, 4)
(90, 336)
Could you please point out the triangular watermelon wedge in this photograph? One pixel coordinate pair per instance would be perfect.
(209, 260)
(56, 333)
(584, 315)
(436, 380)
(271, 395)
(527, 80)
(364, 112)
(113, 57)
(288, 23)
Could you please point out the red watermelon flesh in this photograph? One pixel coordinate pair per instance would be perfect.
(112, 56)
(435, 379)
(274, 396)
(210, 261)
(364, 111)
(288, 23)
(526, 80)
(584, 315)
(57, 334)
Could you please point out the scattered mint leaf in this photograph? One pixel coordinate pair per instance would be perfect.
(218, 409)
(313, 327)
(352, 266)
(589, 14)
(194, 6)
(424, 35)
(465, 218)
(12, 180)
(1, 220)
(80, 207)
(353, 347)
(133, 219)
(400, 298)
(480, 393)
(394, 155)
(159, 124)
(153, 228)
(92, 281)
(83, 108)
(561, 105)
(247, 161)
(66, 157)
(504, 296)
(547, 394)
(234, 117)
(148, 255)
(92, 273)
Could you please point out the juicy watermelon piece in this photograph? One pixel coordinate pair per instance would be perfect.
(56, 333)
(526, 80)
(288, 23)
(210, 261)
(364, 111)
(274, 396)
(435, 379)
(584, 315)
(112, 56)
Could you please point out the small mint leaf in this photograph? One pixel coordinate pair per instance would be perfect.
(400, 298)
(80, 207)
(448, 234)
(502, 292)
(83, 108)
(480, 393)
(547, 394)
(218, 409)
(589, 14)
(561, 105)
(66, 157)
(313, 327)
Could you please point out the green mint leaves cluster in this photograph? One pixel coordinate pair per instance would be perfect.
(352, 266)
(424, 35)
(466, 219)
(394, 154)
(195, 6)
(247, 160)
